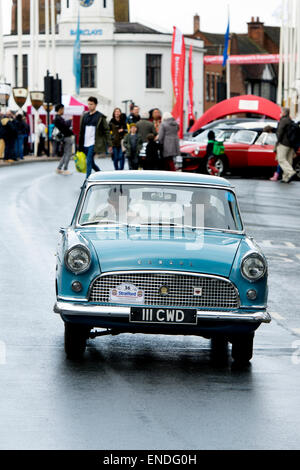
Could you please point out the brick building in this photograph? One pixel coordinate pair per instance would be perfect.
(260, 80)
(121, 8)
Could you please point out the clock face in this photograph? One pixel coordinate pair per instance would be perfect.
(86, 3)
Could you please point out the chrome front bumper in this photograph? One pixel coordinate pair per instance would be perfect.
(110, 312)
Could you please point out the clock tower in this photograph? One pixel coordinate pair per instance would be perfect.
(95, 15)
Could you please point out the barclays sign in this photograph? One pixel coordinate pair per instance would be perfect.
(87, 32)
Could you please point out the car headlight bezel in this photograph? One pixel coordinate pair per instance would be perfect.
(87, 264)
(261, 263)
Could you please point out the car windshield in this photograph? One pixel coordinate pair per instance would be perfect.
(203, 137)
(160, 205)
(244, 137)
(267, 138)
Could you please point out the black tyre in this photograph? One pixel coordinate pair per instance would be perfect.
(297, 166)
(75, 340)
(219, 348)
(221, 164)
(242, 348)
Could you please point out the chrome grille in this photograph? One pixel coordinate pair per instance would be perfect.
(216, 292)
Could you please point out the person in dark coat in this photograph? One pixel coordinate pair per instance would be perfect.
(145, 127)
(118, 129)
(65, 128)
(169, 141)
(134, 116)
(211, 158)
(285, 153)
(133, 145)
(152, 154)
(10, 136)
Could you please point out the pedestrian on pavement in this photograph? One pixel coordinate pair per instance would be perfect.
(21, 135)
(42, 138)
(10, 137)
(64, 128)
(2, 132)
(94, 137)
(169, 141)
(152, 154)
(145, 127)
(155, 117)
(133, 145)
(211, 158)
(285, 153)
(118, 128)
(134, 116)
(278, 173)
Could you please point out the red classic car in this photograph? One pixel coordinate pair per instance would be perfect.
(245, 149)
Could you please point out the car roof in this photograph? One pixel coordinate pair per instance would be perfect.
(236, 121)
(158, 177)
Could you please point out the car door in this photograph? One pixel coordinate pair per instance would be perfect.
(262, 153)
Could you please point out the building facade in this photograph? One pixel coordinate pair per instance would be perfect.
(121, 61)
(260, 80)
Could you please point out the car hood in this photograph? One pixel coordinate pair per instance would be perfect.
(122, 249)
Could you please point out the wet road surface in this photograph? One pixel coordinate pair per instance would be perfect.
(136, 391)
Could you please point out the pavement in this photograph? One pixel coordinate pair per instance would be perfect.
(27, 159)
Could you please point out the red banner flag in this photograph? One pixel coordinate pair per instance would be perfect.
(178, 76)
(191, 88)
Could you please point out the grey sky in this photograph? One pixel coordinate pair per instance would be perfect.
(164, 14)
(213, 13)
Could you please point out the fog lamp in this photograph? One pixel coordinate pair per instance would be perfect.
(252, 294)
(76, 286)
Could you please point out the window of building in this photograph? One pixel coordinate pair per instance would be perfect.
(88, 70)
(153, 70)
(25, 70)
(207, 87)
(213, 88)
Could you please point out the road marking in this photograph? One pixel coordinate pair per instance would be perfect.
(296, 330)
(277, 316)
(290, 244)
(298, 256)
(272, 244)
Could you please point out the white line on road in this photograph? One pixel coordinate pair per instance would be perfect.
(272, 244)
(296, 330)
(298, 256)
(276, 316)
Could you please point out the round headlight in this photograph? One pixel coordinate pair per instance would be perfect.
(78, 259)
(253, 267)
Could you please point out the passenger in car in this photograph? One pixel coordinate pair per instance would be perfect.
(202, 208)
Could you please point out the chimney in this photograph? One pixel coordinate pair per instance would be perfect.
(256, 31)
(196, 23)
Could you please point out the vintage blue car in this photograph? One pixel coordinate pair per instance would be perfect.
(160, 253)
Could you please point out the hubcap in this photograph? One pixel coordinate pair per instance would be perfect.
(219, 165)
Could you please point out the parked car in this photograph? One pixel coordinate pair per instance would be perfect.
(160, 253)
(246, 149)
(223, 123)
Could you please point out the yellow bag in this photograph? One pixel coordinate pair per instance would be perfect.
(80, 162)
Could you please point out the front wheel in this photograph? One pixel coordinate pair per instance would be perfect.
(242, 348)
(219, 348)
(220, 164)
(75, 340)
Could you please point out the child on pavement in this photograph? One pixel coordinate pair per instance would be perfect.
(211, 158)
(133, 144)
